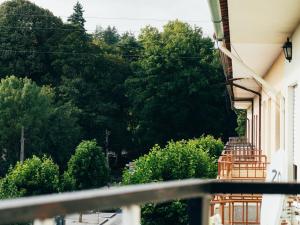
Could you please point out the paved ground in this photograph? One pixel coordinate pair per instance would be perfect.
(95, 219)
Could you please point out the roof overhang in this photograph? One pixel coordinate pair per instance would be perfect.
(257, 31)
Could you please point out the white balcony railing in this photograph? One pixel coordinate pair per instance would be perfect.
(129, 198)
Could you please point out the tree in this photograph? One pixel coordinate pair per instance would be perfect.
(75, 55)
(241, 122)
(177, 160)
(110, 35)
(36, 176)
(77, 18)
(129, 47)
(177, 88)
(88, 167)
(26, 41)
(49, 128)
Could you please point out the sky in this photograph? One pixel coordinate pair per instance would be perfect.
(132, 15)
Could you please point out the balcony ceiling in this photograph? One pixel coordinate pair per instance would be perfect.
(258, 29)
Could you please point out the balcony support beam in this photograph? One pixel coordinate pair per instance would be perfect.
(131, 215)
(198, 210)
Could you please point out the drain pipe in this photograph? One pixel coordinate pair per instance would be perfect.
(215, 11)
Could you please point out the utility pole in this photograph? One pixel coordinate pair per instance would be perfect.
(107, 133)
(22, 145)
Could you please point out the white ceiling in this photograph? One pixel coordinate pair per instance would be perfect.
(258, 29)
(246, 82)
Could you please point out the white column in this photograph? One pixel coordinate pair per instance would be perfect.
(289, 141)
(282, 122)
(131, 215)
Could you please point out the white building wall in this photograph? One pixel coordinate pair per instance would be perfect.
(291, 79)
(277, 116)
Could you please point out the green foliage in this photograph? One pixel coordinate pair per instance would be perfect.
(165, 214)
(77, 18)
(87, 168)
(35, 176)
(241, 122)
(68, 182)
(177, 160)
(24, 44)
(49, 128)
(177, 90)
(212, 146)
(109, 36)
(160, 86)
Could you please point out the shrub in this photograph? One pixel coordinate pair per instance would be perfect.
(34, 177)
(195, 158)
(87, 168)
(212, 146)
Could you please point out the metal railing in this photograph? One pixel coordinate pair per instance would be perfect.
(129, 198)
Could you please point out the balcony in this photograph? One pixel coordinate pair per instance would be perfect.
(239, 161)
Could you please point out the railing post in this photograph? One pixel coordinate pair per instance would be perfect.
(131, 215)
(44, 222)
(198, 209)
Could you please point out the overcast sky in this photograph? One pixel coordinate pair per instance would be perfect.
(131, 15)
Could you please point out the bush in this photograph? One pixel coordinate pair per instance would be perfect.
(212, 146)
(35, 176)
(87, 168)
(196, 158)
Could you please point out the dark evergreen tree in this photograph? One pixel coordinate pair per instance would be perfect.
(26, 41)
(77, 17)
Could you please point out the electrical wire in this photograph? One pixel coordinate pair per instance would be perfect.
(113, 18)
(84, 53)
(69, 29)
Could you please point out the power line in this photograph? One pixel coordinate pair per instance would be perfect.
(84, 53)
(72, 29)
(64, 29)
(56, 28)
(116, 18)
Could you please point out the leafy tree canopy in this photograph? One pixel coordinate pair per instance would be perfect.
(35, 176)
(177, 160)
(143, 90)
(26, 40)
(177, 89)
(87, 168)
(49, 128)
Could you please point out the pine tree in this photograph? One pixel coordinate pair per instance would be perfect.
(77, 17)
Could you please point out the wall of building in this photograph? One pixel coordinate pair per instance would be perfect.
(271, 108)
(291, 80)
(270, 111)
(278, 128)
